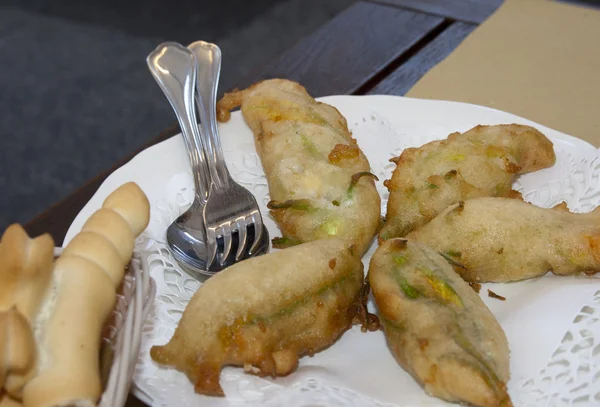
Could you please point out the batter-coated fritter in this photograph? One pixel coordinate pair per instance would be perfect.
(501, 239)
(437, 327)
(483, 161)
(318, 177)
(266, 312)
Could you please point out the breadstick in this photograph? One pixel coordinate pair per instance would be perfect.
(96, 248)
(113, 228)
(25, 268)
(132, 205)
(85, 279)
(17, 351)
(6, 401)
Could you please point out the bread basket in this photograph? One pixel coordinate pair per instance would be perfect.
(122, 334)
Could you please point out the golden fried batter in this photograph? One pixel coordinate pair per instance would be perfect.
(318, 177)
(480, 162)
(266, 312)
(437, 327)
(501, 239)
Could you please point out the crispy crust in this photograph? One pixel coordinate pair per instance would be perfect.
(480, 162)
(309, 156)
(501, 239)
(266, 312)
(437, 327)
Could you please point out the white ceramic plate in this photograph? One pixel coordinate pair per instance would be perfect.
(552, 323)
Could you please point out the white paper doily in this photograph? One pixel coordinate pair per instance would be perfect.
(552, 323)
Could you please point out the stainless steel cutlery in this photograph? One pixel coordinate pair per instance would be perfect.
(224, 224)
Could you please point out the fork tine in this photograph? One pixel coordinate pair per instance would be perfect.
(258, 231)
(242, 236)
(226, 231)
(211, 247)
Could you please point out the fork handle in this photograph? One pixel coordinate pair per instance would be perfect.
(174, 69)
(208, 57)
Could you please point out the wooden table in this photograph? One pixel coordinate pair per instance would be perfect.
(373, 47)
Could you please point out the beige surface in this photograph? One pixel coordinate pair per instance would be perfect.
(538, 59)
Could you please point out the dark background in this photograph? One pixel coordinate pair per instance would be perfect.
(75, 92)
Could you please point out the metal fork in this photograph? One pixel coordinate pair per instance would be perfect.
(175, 69)
(231, 213)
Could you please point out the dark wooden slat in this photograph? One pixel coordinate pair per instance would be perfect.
(133, 401)
(351, 49)
(470, 11)
(402, 79)
(57, 219)
(583, 3)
